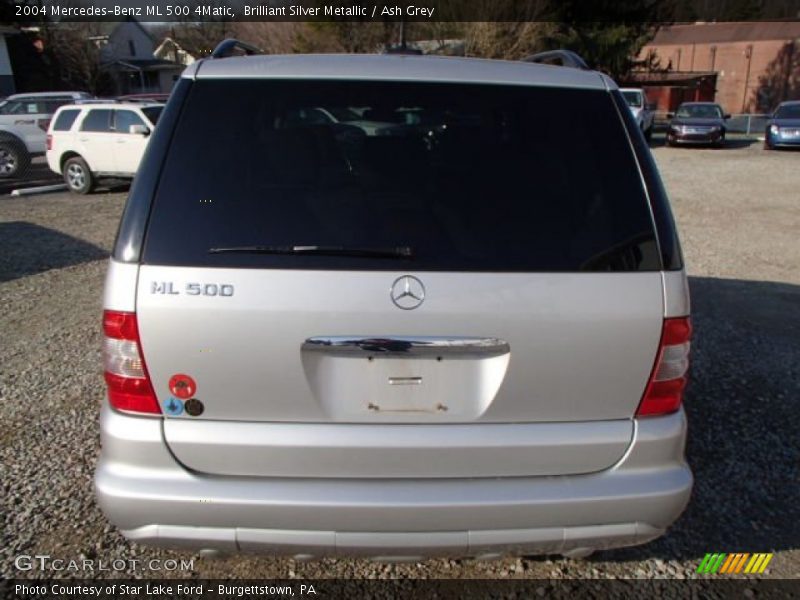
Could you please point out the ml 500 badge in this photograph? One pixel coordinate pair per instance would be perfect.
(192, 289)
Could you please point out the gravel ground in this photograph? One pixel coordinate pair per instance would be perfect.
(37, 174)
(739, 218)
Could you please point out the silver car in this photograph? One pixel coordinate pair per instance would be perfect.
(465, 332)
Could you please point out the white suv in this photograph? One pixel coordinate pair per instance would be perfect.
(23, 122)
(86, 142)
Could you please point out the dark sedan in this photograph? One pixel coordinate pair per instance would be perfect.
(783, 128)
(697, 123)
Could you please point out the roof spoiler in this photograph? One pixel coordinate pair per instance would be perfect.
(559, 58)
(226, 47)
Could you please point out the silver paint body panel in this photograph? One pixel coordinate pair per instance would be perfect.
(151, 498)
(381, 450)
(581, 345)
(255, 370)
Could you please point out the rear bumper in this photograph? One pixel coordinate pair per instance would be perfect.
(152, 499)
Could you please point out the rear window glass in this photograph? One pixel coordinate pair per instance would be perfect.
(53, 104)
(124, 119)
(468, 177)
(22, 107)
(152, 113)
(97, 120)
(65, 120)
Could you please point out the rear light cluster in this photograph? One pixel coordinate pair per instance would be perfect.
(129, 386)
(49, 142)
(664, 393)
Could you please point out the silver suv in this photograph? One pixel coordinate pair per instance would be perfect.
(462, 332)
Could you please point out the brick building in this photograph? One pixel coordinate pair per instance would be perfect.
(756, 65)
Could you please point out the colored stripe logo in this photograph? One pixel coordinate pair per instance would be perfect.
(741, 562)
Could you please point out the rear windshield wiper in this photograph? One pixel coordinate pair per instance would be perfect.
(396, 252)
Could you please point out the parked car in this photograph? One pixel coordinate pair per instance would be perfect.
(24, 119)
(697, 123)
(642, 110)
(469, 341)
(88, 141)
(783, 128)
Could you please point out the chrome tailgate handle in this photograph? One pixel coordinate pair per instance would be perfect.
(403, 346)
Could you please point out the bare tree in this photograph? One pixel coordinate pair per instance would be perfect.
(270, 37)
(75, 50)
(345, 36)
(199, 36)
(780, 81)
(505, 40)
(509, 28)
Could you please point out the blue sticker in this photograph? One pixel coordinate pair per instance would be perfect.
(173, 407)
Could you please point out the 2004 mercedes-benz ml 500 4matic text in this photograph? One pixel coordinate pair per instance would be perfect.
(441, 323)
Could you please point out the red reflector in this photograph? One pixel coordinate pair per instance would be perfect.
(134, 395)
(664, 396)
(676, 331)
(120, 325)
(126, 376)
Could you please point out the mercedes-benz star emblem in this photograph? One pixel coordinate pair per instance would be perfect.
(407, 292)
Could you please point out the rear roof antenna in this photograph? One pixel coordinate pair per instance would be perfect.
(228, 47)
(561, 58)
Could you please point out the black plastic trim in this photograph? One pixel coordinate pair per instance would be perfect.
(226, 47)
(671, 255)
(560, 58)
(130, 235)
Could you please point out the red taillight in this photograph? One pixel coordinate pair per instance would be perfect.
(664, 392)
(129, 386)
(49, 142)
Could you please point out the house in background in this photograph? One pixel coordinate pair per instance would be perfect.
(171, 50)
(127, 53)
(745, 67)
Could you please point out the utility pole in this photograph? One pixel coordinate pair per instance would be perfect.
(748, 53)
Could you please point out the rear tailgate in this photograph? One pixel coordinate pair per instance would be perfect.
(580, 350)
